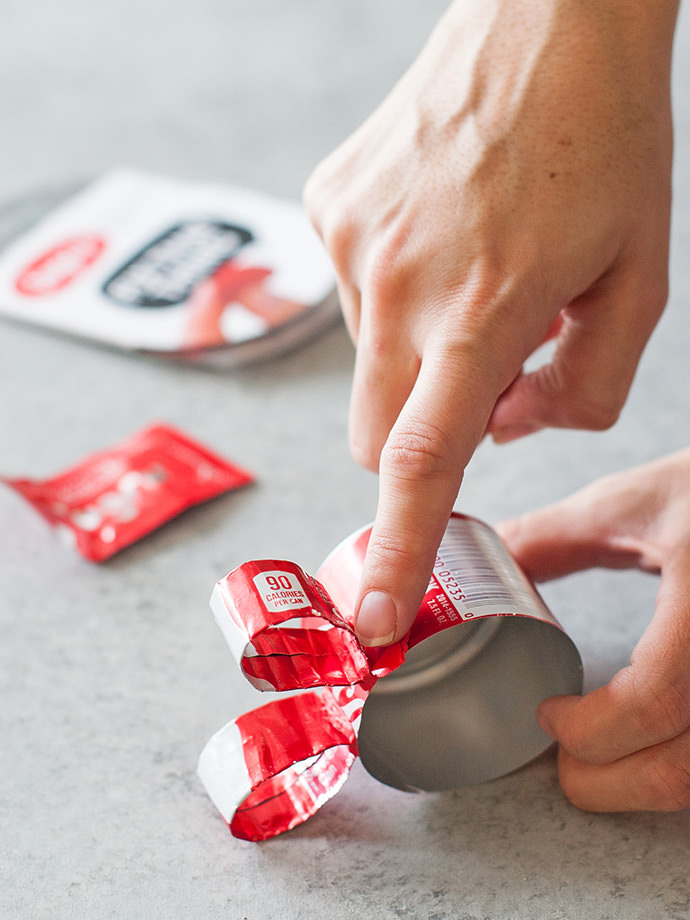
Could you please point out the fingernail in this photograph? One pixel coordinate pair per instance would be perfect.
(513, 432)
(376, 620)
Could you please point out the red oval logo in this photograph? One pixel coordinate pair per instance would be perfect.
(58, 267)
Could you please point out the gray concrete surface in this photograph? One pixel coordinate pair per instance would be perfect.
(113, 677)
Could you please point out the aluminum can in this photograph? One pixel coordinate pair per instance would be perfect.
(484, 651)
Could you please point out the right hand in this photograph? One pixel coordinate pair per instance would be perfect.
(514, 185)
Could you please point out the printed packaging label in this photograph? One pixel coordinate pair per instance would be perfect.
(143, 262)
(114, 497)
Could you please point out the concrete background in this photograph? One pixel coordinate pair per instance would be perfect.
(113, 677)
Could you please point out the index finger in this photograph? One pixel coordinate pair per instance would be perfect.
(421, 469)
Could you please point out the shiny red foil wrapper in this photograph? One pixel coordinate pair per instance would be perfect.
(117, 496)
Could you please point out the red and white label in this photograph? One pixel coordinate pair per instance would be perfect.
(59, 266)
(281, 590)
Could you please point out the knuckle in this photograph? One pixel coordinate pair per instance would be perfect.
(339, 235)
(391, 269)
(387, 554)
(572, 789)
(668, 781)
(416, 452)
(578, 408)
(572, 782)
(312, 197)
(330, 216)
(599, 413)
(661, 705)
(577, 742)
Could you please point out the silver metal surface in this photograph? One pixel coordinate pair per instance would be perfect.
(470, 715)
(439, 656)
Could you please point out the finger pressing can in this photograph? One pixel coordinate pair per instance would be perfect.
(452, 704)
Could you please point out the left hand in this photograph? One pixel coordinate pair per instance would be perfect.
(625, 746)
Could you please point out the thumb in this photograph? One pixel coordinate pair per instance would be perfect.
(580, 532)
(599, 342)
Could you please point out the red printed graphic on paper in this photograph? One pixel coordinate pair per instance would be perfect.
(55, 269)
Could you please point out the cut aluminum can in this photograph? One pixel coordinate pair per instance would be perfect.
(484, 651)
(452, 704)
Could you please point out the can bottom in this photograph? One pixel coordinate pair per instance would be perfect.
(467, 712)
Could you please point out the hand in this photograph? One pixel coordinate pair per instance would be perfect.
(515, 185)
(625, 746)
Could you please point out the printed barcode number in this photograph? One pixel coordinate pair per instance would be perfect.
(476, 572)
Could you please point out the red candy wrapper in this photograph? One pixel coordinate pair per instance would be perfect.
(115, 497)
